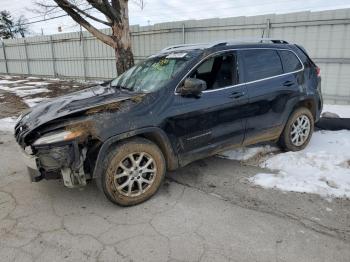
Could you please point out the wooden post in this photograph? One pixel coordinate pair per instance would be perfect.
(53, 58)
(27, 58)
(4, 53)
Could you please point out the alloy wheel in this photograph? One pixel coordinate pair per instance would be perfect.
(300, 130)
(135, 174)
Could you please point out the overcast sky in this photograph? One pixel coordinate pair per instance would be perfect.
(157, 11)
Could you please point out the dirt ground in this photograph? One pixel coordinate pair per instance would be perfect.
(11, 105)
(206, 211)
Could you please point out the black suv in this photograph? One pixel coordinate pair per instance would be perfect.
(185, 103)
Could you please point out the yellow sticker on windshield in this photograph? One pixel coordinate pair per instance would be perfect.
(163, 62)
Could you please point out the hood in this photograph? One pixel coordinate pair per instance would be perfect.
(72, 103)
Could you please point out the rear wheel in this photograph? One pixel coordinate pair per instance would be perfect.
(298, 130)
(133, 172)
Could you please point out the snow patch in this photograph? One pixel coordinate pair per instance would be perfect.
(28, 92)
(7, 124)
(33, 77)
(37, 83)
(6, 76)
(23, 91)
(321, 168)
(245, 153)
(342, 110)
(34, 101)
(5, 82)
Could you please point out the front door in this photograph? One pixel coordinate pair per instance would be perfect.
(203, 125)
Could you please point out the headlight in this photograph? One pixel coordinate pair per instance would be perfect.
(23, 115)
(58, 137)
(19, 118)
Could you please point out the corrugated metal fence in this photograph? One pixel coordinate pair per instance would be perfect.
(325, 35)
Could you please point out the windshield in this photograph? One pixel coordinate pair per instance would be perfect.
(152, 74)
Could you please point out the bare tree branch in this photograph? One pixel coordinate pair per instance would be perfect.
(102, 8)
(65, 5)
(115, 16)
(89, 16)
(140, 3)
(114, 8)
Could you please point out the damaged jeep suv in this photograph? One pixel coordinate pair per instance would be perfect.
(185, 103)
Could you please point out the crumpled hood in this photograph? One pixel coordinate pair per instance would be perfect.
(72, 103)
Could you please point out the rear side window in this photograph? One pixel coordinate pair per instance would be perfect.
(261, 63)
(289, 61)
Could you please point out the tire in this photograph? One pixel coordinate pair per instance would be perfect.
(298, 130)
(141, 177)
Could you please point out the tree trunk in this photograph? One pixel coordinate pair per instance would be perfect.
(122, 40)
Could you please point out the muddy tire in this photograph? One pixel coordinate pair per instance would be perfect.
(133, 172)
(298, 130)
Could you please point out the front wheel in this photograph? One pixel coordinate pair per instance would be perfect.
(298, 130)
(133, 172)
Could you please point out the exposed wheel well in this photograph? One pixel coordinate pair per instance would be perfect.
(164, 147)
(309, 104)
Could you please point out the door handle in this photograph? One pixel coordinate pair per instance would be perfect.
(288, 83)
(235, 95)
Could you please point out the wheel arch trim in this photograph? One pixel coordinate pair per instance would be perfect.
(154, 134)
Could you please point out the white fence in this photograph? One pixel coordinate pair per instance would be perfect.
(325, 35)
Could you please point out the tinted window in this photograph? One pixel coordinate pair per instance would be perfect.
(219, 71)
(261, 64)
(289, 61)
(206, 67)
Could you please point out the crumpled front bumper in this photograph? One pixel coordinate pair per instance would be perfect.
(30, 162)
(56, 161)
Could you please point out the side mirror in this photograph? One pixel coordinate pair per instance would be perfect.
(193, 87)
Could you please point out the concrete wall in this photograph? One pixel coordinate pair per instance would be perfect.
(325, 35)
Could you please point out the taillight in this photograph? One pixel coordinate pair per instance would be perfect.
(318, 71)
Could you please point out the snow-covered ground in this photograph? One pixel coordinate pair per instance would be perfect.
(33, 90)
(26, 89)
(323, 167)
(246, 153)
(34, 101)
(7, 124)
(341, 110)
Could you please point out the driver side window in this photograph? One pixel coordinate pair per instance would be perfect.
(218, 71)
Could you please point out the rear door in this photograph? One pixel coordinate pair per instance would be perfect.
(270, 89)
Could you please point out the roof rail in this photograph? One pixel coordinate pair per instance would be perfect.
(275, 41)
(193, 46)
(219, 43)
(257, 40)
(176, 46)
